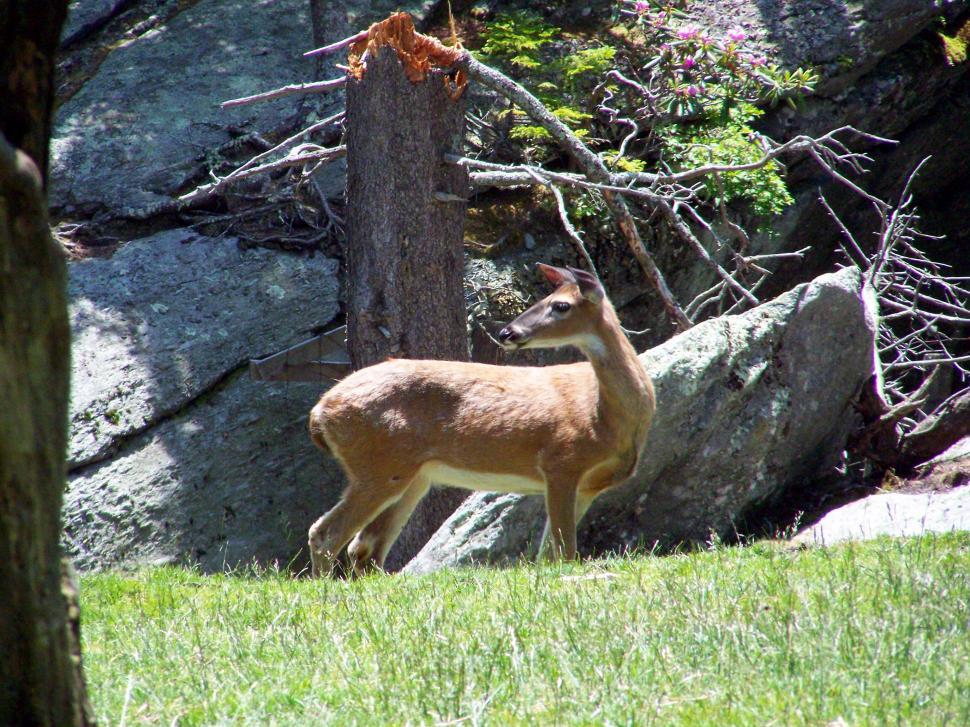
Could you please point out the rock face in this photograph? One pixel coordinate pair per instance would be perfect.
(127, 140)
(745, 405)
(174, 453)
(86, 16)
(898, 515)
(143, 125)
(841, 40)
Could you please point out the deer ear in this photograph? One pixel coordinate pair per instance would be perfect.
(556, 276)
(589, 285)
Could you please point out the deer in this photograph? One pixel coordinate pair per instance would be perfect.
(568, 432)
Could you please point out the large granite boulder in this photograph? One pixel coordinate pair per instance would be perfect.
(746, 405)
(174, 453)
(129, 138)
(939, 504)
(86, 16)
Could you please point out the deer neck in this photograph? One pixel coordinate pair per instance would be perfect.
(625, 393)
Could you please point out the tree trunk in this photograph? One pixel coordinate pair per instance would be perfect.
(39, 680)
(406, 214)
(330, 24)
(29, 37)
(40, 674)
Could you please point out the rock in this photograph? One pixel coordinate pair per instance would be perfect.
(168, 316)
(230, 480)
(838, 39)
(142, 128)
(487, 528)
(130, 137)
(746, 405)
(86, 16)
(175, 454)
(894, 514)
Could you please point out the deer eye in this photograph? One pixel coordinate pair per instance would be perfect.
(561, 306)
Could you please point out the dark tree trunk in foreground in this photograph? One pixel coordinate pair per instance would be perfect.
(40, 674)
(406, 216)
(29, 36)
(40, 682)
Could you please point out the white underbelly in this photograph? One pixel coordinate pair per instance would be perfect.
(441, 474)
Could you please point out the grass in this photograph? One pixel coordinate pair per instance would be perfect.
(872, 634)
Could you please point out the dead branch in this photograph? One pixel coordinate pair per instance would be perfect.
(207, 190)
(903, 280)
(570, 230)
(296, 88)
(945, 427)
(333, 47)
(592, 166)
(299, 158)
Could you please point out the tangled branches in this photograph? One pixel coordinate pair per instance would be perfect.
(921, 313)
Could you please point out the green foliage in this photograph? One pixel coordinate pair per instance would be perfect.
(623, 164)
(954, 49)
(530, 134)
(587, 62)
(956, 42)
(705, 92)
(517, 41)
(870, 633)
(516, 38)
(588, 205)
(728, 139)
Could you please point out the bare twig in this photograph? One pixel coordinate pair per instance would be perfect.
(570, 230)
(333, 47)
(296, 88)
(208, 190)
(593, 167)
(293, 160)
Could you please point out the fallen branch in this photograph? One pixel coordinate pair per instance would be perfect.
(208, 190)
(294, 89)
(293, 160)
(945, 427)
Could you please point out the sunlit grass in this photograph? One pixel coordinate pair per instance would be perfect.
(875, 633)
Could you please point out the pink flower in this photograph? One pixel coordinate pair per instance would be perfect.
(689, 63)
(687, 33)
(737, 35)
(641, 7)
(758, 61)
(693, 91)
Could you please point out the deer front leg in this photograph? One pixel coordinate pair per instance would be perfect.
(560, 536)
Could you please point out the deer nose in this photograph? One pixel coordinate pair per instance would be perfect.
(509, 335)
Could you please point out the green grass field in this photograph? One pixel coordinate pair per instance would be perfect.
(870, 634)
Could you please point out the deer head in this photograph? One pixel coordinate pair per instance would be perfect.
(565, 317)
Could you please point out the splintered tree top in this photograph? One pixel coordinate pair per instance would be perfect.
(419, 54)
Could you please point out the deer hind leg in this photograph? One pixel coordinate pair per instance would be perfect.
(360, 503)
(369, 549)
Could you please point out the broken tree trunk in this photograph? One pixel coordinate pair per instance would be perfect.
(405, 223)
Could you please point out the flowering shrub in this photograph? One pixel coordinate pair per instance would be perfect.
(688, 71)
(689, 95)
(699, 93)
